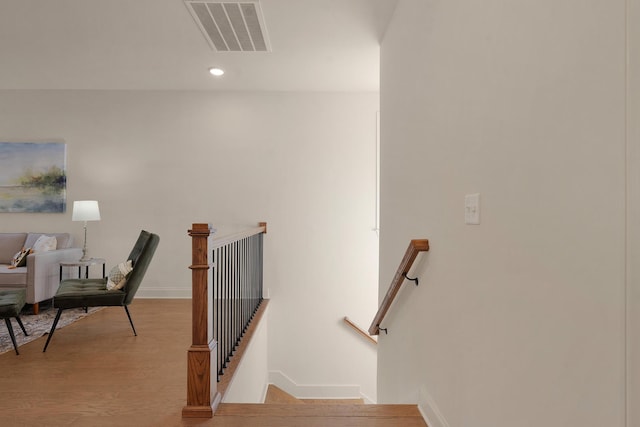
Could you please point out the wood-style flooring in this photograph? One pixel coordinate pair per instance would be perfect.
(96, 373)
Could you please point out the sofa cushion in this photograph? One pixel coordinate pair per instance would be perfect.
(10, 243)
(45, 244)
(13, 276)
(11, 302)
(86, 293)
(64, 240)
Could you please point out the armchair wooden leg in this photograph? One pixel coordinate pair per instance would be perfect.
(11, 334)
(130, 321)
(36, 308)
(53, 328)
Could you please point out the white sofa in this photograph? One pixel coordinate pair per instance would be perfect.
(41, 276)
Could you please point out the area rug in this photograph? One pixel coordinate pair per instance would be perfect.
(38, 325)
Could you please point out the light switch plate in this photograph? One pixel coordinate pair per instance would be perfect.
(472, 209)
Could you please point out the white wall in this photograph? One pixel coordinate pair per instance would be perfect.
(305, 163)
(250, 381)
(633, 211)
(518, 321)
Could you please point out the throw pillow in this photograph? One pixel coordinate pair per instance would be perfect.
(44, 244)
(20, 259)
(118, 276)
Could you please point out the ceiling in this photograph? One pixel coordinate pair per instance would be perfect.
(317, 45)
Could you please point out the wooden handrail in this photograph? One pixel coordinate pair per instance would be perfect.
(415, 247)
(220, 241)
(359, 330)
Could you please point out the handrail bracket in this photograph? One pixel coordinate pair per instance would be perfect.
(417, 282)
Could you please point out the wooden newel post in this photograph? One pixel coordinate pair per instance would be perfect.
(202, 394)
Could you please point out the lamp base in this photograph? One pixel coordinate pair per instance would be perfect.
(85, 257)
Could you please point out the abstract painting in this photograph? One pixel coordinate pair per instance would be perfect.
(33, 177)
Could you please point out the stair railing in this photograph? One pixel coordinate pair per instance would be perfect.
(350, 323)
(415, 247)
(226, 294)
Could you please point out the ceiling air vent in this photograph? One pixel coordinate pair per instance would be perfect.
(231, 26)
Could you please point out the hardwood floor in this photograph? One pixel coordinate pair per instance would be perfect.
(96, 373)
(232, 415)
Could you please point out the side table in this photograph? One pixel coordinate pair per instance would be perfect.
(86, 264)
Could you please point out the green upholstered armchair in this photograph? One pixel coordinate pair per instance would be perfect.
(11, 303)
(74, 293)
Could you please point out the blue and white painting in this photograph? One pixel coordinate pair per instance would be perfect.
(33, 177)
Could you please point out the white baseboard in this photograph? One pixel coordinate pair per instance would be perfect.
(164, 293)
(313, 391)
(367, 400)
(429, 411)
(265, 391)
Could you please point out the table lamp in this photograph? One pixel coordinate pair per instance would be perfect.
(85, 210)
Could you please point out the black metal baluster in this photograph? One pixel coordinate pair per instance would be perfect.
(247, 284)
(261, 260)
(237, 275)
(254, 295)
(219, 305)
(214, 311)
(239, 302)
(234, 279)
(230, 304)
(253, 275)
(245, 264)
(224, 307)
(236, 303)
(221, 268)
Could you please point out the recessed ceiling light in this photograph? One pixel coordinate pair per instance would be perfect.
(216, 71)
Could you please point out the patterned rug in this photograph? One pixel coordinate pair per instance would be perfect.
(38, 325)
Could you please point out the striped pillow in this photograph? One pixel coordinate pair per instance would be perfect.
(118, 276)
(20, 259)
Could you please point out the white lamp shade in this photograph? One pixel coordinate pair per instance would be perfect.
(85, 210)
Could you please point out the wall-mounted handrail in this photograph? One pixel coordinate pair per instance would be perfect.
(415, 247)
(359, 330)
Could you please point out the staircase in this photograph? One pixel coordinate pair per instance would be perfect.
(233, 336)
(275, 395)
(283, 410)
